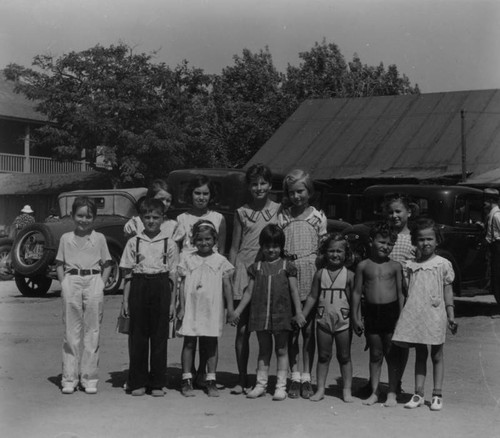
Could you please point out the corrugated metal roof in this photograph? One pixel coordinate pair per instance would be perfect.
(16, 106)
(415, 136)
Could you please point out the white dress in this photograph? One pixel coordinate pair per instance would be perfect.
(184, 231)
(204, 297)
(423, 318)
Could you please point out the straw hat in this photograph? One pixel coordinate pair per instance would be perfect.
(27, 209)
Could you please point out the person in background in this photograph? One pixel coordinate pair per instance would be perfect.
(493, 236)
(53, 216)
(24, 219)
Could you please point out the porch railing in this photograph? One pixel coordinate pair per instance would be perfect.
(13, 163)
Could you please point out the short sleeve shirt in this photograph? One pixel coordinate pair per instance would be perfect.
(145, 255)
(87, 252)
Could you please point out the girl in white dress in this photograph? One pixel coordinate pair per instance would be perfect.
(201, 192)
(205, 282)
(427, 312)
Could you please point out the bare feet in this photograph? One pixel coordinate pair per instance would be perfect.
(391, 400)
(371, 400)
(347, 396)
(318, 395)
(238, 389)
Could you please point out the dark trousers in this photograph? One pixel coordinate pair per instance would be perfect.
(149, 304)
(495, 267)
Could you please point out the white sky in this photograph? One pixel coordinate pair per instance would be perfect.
(443, 45)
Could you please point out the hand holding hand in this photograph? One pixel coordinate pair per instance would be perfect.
(300, 320)
(358, 328)
(233, 318)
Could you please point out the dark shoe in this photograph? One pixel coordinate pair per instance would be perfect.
(187, 388)
(294, 391)
(211, 388)
(306, 390)
(199, 381)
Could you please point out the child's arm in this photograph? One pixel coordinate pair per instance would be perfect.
(399, 286)
(228, 295)
(349, 287)
(356, 300)
(450, 307)
(127, 275)
(106, 270)
(294, 291)
(221, 241)
(182, 298)
(236, 240)
(312, 298)
(60, 272)
(245, 300)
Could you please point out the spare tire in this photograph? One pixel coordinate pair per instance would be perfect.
(34, 250)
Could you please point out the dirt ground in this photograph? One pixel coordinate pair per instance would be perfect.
(31, 404)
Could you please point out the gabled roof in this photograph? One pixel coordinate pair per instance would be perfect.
(15, 106)
(414, 136)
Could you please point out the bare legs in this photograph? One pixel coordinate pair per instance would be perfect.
(308, 348)
(242, 352)
(437, 357)
(343, 347)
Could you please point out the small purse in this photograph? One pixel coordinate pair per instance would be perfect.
(123, 325)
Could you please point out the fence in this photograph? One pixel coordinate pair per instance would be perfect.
(19, 164)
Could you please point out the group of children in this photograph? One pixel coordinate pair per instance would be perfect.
(286, 278)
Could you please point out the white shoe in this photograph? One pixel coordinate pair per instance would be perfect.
(68, 389)
(91, 390)
(437, 403)
(258, 391)
(279, 394)
(415, 402)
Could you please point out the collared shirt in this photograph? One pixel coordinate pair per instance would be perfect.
(150, 258)
(493, 230)
(87, 252)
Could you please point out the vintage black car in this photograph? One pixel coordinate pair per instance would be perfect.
(35, 247)
(459, 212)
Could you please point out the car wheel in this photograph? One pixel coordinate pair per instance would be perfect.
(115, 277)
(33, 286)
(34, 249)
(4, 257)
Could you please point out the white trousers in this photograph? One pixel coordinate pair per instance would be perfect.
(82, 299)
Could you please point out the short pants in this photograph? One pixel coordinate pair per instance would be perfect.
(381, 318)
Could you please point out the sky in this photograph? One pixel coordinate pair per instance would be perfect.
(441, 45)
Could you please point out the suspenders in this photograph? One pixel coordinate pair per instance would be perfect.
(165, 243)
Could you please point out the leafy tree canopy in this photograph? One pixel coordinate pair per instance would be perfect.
(143, 119)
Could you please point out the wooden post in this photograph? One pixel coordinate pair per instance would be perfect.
(27, 162)
(464, 149)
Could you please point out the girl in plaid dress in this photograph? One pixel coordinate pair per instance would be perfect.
(303, 226)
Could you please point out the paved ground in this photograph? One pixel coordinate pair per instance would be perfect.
(31, 404)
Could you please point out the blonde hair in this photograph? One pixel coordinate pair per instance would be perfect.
(294, 176)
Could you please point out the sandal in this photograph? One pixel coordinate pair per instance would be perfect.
(415, 402)
(437, 403)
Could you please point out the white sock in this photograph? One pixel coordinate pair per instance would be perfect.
(210, 376)
(306, 377)
(295, 376)
(186, 376)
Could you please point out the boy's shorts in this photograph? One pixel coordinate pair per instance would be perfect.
(381, 318)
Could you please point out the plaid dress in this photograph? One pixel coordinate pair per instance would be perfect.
(301, 244)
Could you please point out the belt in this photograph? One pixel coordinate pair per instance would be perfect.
(147, 276)
(83, 272)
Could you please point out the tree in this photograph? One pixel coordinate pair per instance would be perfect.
(323, 73)
(249, 105)
(112, 103)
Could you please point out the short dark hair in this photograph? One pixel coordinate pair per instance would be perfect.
(258, 170)
(151, 204)
(272, 234)
(198, 181)
(425, 223)
(389, 198)
(156, 186)
(385, 230)
(84, 201)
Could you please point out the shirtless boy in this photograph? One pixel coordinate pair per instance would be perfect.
(379, 279)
